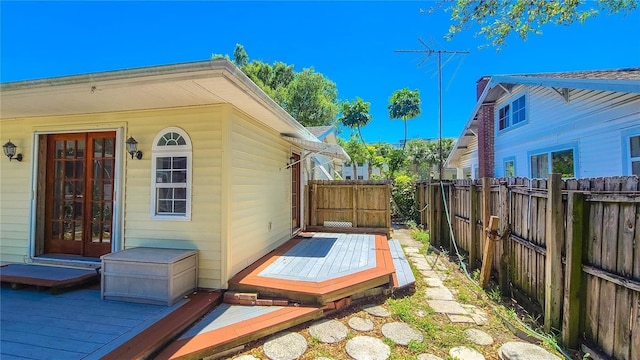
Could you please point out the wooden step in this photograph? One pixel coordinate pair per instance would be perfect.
(229, 326)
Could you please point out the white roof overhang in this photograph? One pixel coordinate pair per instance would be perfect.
(168, 86)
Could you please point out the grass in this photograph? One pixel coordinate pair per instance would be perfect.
(439, 333)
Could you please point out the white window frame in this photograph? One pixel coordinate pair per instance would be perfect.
(626, 150)
(548, 152)
(509, 114)
(160, 151)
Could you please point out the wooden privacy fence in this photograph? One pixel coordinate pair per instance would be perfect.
(570, 250)
(349, 206)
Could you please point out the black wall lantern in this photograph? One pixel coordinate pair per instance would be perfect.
(10, 150)
(132, 148)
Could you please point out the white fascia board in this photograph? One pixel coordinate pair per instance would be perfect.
(626, 86)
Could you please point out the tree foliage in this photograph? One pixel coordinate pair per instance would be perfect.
(404, 104)
(356, 150)
(497, 19)
(311, 99)
(308, 96)
(355, 115)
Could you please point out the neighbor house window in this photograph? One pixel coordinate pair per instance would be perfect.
(509, 167)
(171, 179)
(512, 113)
(556, 161)
(634, 155)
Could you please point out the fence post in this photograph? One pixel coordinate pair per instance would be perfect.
(314, 204)
(473, 224)
(577, 229)
(553, 259)
(430, 214)
(487, 256)
(503, 269)
(354, 210)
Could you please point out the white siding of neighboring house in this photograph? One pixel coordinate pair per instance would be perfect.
(594, 121)
(260, 192)
(468, 161)
(361, 170)
(321, 167)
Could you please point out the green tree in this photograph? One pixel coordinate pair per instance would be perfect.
(497, 19)
(355, 115)
(356, 150)
(404, 104)
(240, 57)
(437, 153)
(308, 96)
(311, 99)
(417, 151)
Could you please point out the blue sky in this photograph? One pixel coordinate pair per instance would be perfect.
(352, 43)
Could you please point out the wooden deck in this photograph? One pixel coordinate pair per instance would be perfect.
(320, 273)
(317, 270)
(76, 324)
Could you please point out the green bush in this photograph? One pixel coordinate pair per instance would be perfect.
(404, 201)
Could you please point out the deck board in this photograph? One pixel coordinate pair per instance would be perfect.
(334, 274)
(72, 325)
(403, 274)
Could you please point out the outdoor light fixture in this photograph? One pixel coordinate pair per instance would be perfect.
(10, 150)
(291, 161)
(132, 148)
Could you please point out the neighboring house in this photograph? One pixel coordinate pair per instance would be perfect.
(581, 124)
(217, 167)
(362, 172)
(321, 166)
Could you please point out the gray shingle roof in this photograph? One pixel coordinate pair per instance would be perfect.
(319, 130)
(613, 74)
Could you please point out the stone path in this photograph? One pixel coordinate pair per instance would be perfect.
(355, 337)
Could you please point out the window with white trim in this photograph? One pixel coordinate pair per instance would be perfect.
(561, 162)
(509, 168)
(171, 179)
(634, 155)
(513, 113)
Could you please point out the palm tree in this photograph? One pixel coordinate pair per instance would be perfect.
(404, 104)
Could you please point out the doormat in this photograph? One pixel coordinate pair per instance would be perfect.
(53, 277)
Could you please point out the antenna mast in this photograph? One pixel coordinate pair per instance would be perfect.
(428, 51)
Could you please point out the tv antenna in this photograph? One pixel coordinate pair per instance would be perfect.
(428, 51)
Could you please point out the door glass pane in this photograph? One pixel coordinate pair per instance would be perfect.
(70, 151)
(562, 163)
(108, 168)
(108, 147)
(635, 168)
(98, 147)
(59, 149)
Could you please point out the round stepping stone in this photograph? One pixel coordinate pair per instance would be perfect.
(285, 346)
(521, 351)
(465, 353)
(377, 310)
(478, 337)
(428, 357)
(401, 333)
(367, 348)
(420, 313)
(328, 331)
(360, 324)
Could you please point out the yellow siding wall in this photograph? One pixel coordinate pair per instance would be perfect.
(15, 190)
(260, 192)
(202, 124)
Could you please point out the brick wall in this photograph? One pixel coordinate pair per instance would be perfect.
(486, 161)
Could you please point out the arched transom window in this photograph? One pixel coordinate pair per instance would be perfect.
(171, 179)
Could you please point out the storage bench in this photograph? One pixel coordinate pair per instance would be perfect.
(149, 275)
